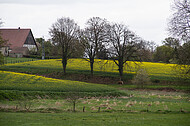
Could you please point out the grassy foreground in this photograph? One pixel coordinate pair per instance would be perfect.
(93, 119)
(136, 102)
(141, 108)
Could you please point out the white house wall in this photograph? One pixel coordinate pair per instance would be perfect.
(4, 51)
(30, 47)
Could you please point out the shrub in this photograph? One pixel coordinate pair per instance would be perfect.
(156, 81)
(141, 79)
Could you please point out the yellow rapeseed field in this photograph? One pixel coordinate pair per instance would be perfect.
(27, 82)
(155, 69)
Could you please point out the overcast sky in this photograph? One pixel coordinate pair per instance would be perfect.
(148, 18)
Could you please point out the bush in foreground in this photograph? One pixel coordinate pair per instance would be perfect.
(141, 79)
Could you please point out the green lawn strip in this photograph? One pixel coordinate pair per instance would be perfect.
(93, 119)
(139, 108)
(169, 87)
(153, 101)
(16, 95)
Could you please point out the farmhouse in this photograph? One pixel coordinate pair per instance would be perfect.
(18, 42)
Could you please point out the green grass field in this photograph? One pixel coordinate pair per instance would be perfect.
(31, 99)
(136, 102)
(93, 119)
(140, 108)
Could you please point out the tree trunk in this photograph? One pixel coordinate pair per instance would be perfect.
(121, 70)
(92, 66)
(64, 62)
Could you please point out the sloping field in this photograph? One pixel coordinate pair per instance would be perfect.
(159, 70)
(25, 82)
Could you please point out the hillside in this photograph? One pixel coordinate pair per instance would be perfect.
(11, 81)
(106, 68)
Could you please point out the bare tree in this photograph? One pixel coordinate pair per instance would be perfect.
(171, 42)
(146, 51)
(124, 45)
(93, 37)
(73, 98)
(179, 24)
(64, 33)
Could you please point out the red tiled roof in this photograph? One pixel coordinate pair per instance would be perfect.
(15, 37)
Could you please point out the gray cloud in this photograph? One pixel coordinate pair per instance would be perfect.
(37, 1)
(146, 17)
(54, 2)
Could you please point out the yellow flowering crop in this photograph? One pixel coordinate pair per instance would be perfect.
(26, 82)
(155, 69)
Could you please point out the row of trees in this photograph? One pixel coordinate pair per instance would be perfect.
(176, 49)
(102, 39)
(99, 39)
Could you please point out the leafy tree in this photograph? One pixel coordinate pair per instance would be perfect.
(174, 44)
(39, 44)
(64, 33)
(183, 60)
(171, 42)
(48, 47)
(163, 53)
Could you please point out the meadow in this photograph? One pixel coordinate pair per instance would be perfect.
(31, 95)
(139, 108)
(135, 102)
(93, 119)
